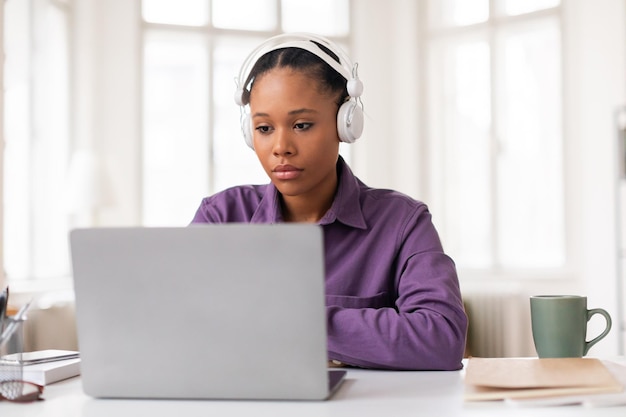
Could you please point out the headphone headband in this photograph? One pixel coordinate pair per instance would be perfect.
(301, 40)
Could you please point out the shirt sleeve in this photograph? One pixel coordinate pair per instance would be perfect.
(425, 326)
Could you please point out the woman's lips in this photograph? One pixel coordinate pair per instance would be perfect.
(286, 172)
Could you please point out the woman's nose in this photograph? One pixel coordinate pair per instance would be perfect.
(283, 142)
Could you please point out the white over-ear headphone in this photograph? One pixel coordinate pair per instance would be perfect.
(350, 115)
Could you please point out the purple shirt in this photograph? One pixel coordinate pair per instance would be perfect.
(392, 294)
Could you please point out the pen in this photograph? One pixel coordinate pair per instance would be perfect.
(4, 299)
(12, 326)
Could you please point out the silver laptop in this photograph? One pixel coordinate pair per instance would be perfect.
(230, 311)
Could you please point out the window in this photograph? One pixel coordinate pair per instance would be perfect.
(192, 143)
(495, 136)
(37, 100)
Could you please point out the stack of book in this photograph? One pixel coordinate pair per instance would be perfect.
(44, 367)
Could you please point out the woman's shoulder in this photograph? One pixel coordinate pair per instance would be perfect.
(233, 204)
(373, 202)
(391, 208)
(244, 192)
(389, 198)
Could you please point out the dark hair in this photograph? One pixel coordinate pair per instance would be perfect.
(302, 60)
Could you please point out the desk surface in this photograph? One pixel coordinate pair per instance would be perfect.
(364, 393)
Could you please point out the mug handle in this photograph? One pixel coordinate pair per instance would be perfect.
(606, 315)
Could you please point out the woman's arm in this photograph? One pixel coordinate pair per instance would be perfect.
(423, 327)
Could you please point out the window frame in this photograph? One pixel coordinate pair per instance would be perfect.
(495, 23)
(40, 127)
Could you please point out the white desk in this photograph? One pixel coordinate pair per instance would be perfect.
(364, 393)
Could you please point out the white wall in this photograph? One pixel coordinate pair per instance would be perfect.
(598, 67)
(385, 46)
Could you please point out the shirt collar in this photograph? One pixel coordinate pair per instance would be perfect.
(346, 207)
(268, 210)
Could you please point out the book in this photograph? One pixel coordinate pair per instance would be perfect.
(488, 379)
(45, 373)
(48, 355)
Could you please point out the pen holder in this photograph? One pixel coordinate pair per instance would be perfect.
(11, 347)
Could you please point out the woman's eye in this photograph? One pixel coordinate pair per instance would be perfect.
(303, 126)
(263, 129)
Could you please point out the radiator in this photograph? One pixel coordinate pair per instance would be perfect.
(499, 325)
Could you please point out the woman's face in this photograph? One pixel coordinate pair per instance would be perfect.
(294, 125)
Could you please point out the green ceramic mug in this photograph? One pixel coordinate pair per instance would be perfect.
(559, 325)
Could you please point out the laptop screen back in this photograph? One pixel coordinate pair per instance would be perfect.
(232, 311)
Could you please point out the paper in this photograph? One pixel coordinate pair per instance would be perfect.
(505, 378)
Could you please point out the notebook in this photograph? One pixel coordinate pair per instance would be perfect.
(229, 311)
(488, 379)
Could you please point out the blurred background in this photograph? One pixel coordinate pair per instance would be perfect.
(507, 117)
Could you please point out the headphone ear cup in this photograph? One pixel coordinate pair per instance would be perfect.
(246, 129)
(355, 87)
(240, 96)
(350, 122)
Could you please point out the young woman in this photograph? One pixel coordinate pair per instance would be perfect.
(392, 294)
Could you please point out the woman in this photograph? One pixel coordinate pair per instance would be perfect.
(392, 294)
